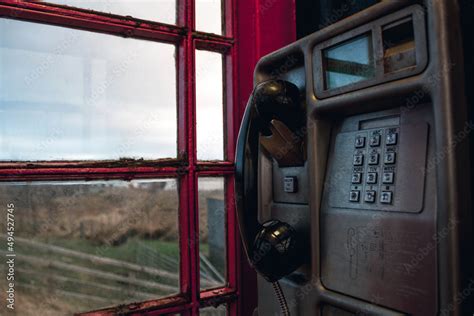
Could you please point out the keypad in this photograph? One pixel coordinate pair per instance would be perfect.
(354, 196)
(388, 177)
(360, 142)
(374, 159)
(374, 166)
(391, 138)
(356, 178)
(389, 158)
(374, 140)
(372, 177)
(386, 197)
(358, 160)
(369, 196)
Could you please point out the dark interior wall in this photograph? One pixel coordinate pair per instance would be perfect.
(467, 24)
(312, 16)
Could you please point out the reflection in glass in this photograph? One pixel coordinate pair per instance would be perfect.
(209, 16)
(81, 246)
(214, 311)
(67, 94)
(349, 62)
(212, 232)
(209, 106)
(153, 10)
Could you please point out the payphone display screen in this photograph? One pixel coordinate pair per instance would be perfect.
(349, 62)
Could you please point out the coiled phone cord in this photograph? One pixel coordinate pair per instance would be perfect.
(281, 298)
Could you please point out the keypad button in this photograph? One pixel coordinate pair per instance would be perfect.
(389, 158)
(369, 196)
(356, 178)
(354, 196)
(374, 159)
(386, 197)
(358, 160)
(360, 142)
(388, 177)
(374, 141)
(372, 177)
(391, 138)
(290, 184)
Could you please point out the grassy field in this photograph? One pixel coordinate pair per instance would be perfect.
(126, 251)
(84, 246)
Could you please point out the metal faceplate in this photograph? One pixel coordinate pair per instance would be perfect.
(373, 248)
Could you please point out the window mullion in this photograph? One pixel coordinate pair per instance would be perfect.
(184, 134)
(193, 241)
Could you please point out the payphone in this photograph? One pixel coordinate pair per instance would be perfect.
(353, 168)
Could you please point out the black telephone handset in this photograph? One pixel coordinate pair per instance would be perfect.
(272, 118)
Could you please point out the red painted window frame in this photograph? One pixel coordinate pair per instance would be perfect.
(247, 25)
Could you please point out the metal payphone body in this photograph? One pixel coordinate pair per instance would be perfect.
(383, 193)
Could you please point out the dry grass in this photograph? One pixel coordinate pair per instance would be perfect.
(105, 215)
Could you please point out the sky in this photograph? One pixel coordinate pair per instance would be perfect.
(76, 95)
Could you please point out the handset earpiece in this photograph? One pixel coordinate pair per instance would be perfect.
(275, 249)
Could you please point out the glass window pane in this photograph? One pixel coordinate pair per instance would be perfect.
(214, 311)
(81, 246)
(349, 62)
(67, 94)
(209, 16)
(153, 10)
(212, 232)
(209, 106)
